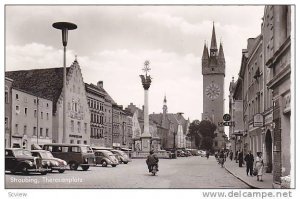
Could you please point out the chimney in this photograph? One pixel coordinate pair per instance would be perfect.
(100, 84)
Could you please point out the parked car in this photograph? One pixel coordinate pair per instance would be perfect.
(21, 160)
(55, 163)
(195, 152)
(180, 153)
(74, 154)
(121, 156)
(105, 157)
(202, 153)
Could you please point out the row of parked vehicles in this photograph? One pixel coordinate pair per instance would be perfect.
(190, 152)
(58, 157)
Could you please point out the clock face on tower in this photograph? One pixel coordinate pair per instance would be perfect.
(212, 91)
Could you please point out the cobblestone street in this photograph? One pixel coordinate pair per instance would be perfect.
(185, 172)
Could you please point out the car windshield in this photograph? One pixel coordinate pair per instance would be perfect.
(86, 149)
(46, 154)
(122, 153)
(109, 153)
(22, 152)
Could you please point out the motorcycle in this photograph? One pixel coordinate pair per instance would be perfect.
(154, 170)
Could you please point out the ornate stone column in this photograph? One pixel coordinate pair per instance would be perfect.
(146, 136)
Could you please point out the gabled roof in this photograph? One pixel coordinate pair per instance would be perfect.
(45, 83)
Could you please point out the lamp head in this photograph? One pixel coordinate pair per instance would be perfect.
(64, 27)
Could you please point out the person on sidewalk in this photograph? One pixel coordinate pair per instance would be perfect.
(240, 157)
(259, 165)
(236, 156)
(231, 155)
(249, 159)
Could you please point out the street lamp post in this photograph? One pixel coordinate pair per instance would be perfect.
(64, 27)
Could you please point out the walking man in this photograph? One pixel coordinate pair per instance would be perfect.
(249, 163)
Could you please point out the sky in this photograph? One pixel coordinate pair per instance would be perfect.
(113, 42)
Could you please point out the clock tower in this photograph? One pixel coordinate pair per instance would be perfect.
(213, 71)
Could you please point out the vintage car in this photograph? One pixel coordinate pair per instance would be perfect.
(105, 157)
(21, 160)
(74, 154)
(121, 156)
(55, 163)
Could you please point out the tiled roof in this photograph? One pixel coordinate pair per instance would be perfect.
(157, 118)
(45, 83)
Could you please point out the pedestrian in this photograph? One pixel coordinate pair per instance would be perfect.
(240, 157)
(222, 158)
(249, 159)
(231, 155)
(259, 166)
(236, 155)
(207, 154)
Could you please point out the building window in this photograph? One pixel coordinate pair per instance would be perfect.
(34, 131)
(17, 96)
(34, 101)
(79, 126)
(72, 125)
(47, 132)
(25, 129)
(6, 122)
(85, 128)
(84, 142)
(35, 113)
(47, 116)
(16, 128)
(25, 111)
(47, 105)
(41, 132)
(71, 141)
(78, 141)
(42, 114)
(17, 108)
(6, 97)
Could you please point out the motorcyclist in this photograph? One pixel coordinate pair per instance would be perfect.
(152, 160)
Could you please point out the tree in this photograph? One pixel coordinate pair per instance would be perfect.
(203, 133)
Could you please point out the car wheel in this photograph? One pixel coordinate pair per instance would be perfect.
(104, 163)
(61, 170)
(25, 169)
(85, 167)
(114, 165)
(44, 172)
(125, 162)
(73, 166)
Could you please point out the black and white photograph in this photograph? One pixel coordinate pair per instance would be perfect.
(149, 96)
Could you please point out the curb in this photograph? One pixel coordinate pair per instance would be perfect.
(250, 185)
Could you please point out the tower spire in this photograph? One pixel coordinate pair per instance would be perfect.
(205, 52)
(213, 44)
(221, 53)
(165, 107)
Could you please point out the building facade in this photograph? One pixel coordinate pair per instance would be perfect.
(276, 30)
(8, 111)
(96, 101)
(31, 120)
(213, 71)
(236, 132)
(48, 84)
(266, 93)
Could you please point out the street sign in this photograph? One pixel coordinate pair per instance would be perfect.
(258, 120)
(226, 117)
(220, 124)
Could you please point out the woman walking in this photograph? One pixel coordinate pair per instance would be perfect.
(259, 165)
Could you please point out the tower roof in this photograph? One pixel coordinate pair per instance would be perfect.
(213, 44)
(221, 53)
(205, 52)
